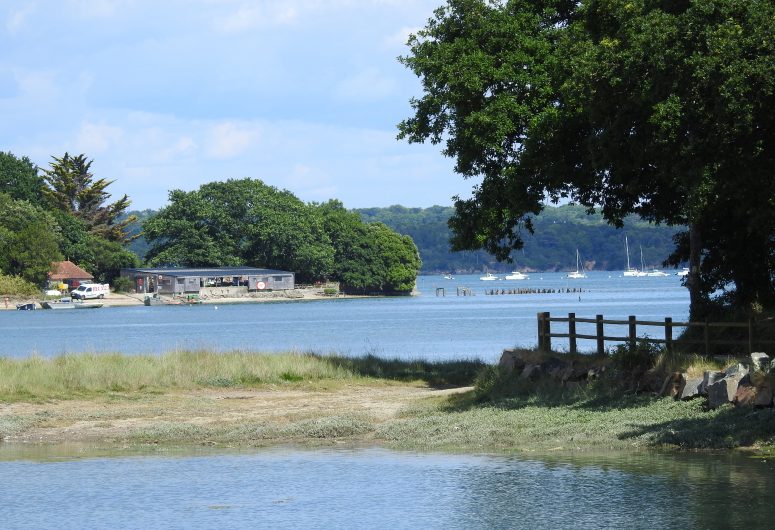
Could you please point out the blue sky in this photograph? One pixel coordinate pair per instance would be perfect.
(170, 94)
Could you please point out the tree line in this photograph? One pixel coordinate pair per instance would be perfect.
(559, 231)
(64, 212)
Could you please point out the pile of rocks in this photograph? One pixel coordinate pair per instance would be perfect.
(737, 384)
(750, 382)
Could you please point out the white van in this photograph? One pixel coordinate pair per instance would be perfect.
(90, 290)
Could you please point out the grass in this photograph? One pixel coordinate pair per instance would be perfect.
(503, 413)
(82, 375)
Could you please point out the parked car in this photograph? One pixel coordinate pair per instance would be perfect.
(90, 290)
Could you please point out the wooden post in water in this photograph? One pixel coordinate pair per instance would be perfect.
(669, 334)
(600, 334)
(572, 332)
(633, 333)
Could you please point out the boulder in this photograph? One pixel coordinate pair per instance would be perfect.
(531, 372)
(691, 387)
(708, 378)
(673, 385)
(760, 362)
(724, 390)
(745, 396)
(511, 360)
(764, 396)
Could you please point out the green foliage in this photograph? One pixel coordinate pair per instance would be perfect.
(642, 356)
(240, 222)
(71, 188)
(661, 109)
(558, 232)
(19, 178)
(122, 284)
(28, 240)
(369, 257)
(17, 286)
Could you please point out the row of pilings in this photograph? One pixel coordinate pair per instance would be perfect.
(561, 290)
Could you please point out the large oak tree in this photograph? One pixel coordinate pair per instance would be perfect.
(659, 108)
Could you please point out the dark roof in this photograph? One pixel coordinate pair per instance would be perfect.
(211, 271)
(67, 270)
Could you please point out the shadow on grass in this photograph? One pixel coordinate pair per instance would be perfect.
(728, 427)
(440, 374)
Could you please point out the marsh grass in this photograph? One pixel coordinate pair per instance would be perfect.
(80, 375)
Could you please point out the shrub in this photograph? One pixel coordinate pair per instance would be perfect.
(641, 356)
(122, 284)
(17, 286)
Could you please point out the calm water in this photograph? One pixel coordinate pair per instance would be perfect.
(78, 487)
(383, 489)
(427, 326)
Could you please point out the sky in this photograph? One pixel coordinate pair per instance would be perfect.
(304, 95)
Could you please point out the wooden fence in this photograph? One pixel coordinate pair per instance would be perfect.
(545, 333)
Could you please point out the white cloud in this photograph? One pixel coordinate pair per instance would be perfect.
(314, 182)
(248, 17)
(366, 85)
(97, 138)
(399, 38)
(17, 19)
(229, 139)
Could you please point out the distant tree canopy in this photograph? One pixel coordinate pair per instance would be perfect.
(246, 222)
(661, 109)
(19, 178)
(71, 188)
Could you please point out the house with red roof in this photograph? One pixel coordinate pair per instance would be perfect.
(69, 273)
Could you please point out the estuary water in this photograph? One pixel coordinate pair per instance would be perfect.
(80, 486)
(286, 488)
(427, 326)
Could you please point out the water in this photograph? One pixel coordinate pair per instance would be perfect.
(425, 326)
(285, 488)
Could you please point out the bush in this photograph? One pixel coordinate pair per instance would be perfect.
(330, 291)
(17, 286)
(642, 356)
(122, 284)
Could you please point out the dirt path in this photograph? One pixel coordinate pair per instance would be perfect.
(120, 417)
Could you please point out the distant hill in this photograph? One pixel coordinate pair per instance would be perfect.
(559, 231)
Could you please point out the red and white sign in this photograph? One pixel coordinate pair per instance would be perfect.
(261, 285)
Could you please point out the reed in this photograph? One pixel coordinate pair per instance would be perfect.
(77, 375)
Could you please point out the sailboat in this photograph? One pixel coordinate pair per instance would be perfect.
(578, 274)
(629, 271)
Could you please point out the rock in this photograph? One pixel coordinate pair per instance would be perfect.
(724, 390)
(531, 372)
(691, 387)
(764, 397)
(511, 360)
(735, 370)
(760, 362)
(553, 367)
(708, 378)
(673, 385)
(745, 396)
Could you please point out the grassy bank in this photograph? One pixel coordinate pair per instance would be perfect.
(248, 399)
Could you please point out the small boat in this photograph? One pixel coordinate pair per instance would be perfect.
(449, 277)
(29, 306)
(516, 275)
(63, 303)
(87, 305)
(657, 273)
(152, 300)
(489, 277)
(577, 275)
(629, 271)
(683, 272)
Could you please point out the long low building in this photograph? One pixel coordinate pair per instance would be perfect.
(179, 281)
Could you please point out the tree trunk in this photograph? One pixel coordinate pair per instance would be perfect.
(693, 281)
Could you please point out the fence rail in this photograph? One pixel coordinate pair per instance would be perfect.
(545, 334)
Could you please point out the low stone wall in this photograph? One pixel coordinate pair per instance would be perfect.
(743, 383)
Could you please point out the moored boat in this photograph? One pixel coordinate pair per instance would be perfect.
(516, 275)
(29, 306)
(489, 277)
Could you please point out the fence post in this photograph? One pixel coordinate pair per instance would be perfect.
(706, 330)
(669, 334)
(542, 338)
(750, 336)
(572, 332)
(633, 334)
(600, 335)
(547, 332)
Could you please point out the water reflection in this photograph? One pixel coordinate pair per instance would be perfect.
(286, 488)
